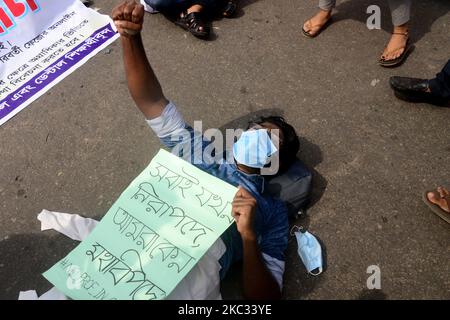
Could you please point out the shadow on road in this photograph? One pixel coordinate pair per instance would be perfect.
(311, 155)
(24, 257)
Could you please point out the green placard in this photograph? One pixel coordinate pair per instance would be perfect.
(152, 236)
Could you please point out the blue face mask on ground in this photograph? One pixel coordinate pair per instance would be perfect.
(309, 250)
(254, 148)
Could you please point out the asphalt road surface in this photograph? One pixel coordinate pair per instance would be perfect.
(77, 147)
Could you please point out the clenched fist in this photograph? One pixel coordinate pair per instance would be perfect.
(128, 18)
(243, 211)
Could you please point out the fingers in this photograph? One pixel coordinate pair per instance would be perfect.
(128, 25)
(129, 11)
(128, 18)
(242, 202)
(239, 193)
(243, 193)
(138, 14)
(239, 206)
(242, 206)
(117, 12)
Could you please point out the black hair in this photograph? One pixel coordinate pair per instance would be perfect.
(291, 142)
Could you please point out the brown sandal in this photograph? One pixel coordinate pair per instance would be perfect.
(400, 59)
(309, 35)
(437, 209)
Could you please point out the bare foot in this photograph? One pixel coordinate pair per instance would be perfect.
(195, 8)
(397, 44)
(441, 198)
(314, 25)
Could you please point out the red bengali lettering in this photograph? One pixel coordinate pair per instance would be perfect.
(17, 9)
(14, 10)
(5, 20)
(33, 5)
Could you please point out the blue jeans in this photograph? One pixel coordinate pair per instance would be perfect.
(174, 7)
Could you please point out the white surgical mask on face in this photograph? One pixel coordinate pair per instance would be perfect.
(254, 148)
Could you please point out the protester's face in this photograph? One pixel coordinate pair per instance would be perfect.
(272, 129)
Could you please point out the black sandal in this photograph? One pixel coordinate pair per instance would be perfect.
(192, 22)
(399, 60)
(230, 9)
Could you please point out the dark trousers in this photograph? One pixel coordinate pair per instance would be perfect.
(440, 86)
(175, 7)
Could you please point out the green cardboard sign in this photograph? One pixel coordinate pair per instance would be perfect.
(154, 234)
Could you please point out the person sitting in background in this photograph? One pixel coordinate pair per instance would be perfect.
(434, 91)
(397, 48)
(188, 14)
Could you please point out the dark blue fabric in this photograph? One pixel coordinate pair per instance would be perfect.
(177, 6)
(440, 86)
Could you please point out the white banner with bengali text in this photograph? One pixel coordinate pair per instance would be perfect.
(42, 42)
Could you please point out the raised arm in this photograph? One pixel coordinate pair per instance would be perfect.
(142, 82)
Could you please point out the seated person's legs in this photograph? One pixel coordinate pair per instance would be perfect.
(169, 7)
(188, 13)
(176, 7)
(314, 25)
(395, 51)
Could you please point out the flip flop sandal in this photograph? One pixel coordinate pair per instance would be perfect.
(307, 33)
(399, 60)
(192, 22)
(230, 9)
(435, 208)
